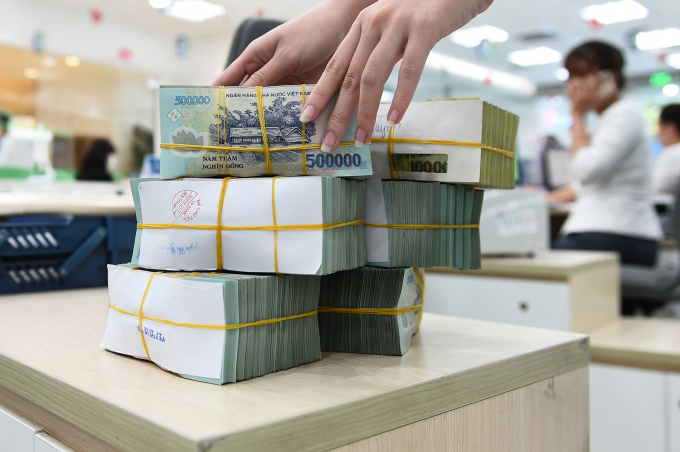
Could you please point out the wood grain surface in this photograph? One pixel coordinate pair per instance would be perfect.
(638, 342)
(549, 416)
(50, 354)
(550, 265)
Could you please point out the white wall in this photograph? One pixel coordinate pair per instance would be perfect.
(70, 31)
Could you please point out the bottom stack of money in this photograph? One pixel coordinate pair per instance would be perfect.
(423, 224)
(213, 327)
(370, 310)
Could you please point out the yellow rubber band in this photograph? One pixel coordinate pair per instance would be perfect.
(391, 140)
(198, 147)
(423, 226)
(276, 245)
(370, 311)
(304, 129)
(421, 285)
(208, 326)
(140, 314)
(218, 229)
(263, 127)
(278, 227)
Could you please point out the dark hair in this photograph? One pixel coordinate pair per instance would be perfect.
(4, 121)
(671, 114)
(601, 55)
(94, 163)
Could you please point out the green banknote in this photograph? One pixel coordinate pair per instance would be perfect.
(200, 116)
(369, 288)
(421, 163)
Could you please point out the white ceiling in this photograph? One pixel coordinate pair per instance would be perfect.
(518, 17)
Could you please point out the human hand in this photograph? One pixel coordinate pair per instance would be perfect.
(583, 92)
(382, 34)
(295, 52)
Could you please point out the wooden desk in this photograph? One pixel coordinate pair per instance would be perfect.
(557, 289)
(635, 385)
(638, 342)
(464, 385)
(68, 198)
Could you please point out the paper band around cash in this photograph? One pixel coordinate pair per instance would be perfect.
(219, 227)
(385, 311)
(390, 140)
(234, 326)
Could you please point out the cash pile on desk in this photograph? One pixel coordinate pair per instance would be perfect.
(236, 274)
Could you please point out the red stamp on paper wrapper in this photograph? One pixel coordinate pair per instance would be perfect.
(185, 204)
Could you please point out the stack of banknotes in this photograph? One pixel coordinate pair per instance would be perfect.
(370, 310)
(224, 118)
(286, 225)
(409, 224)
(465, 141)
(215, 328)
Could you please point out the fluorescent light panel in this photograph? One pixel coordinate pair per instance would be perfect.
(657, 39)
(535, 56)
(614, 12)
(673, 60)
(472, 37)
(479, 73)
(193, 10)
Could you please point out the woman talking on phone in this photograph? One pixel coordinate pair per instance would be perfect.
(612, 166)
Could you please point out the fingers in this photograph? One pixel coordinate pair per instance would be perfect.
(332, 77)
(410, 71)
(348, 98)
(269, 74)
(233, 74)
(376, 73)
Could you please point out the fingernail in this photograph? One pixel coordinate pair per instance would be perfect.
(359, 137)
(307, 113)
(328, 142)
(392, 118)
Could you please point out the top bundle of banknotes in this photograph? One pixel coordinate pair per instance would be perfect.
(210, 131)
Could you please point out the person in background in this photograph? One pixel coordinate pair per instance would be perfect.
(98, 162)
(352, 46)
(612, 164)
(4, 124)
(666, 177)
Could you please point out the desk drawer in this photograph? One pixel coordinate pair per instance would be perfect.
(16, 433)
(543, 304)
(45, 443)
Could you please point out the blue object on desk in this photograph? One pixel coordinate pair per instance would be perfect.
(47, 252)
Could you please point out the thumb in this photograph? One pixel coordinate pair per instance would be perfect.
(270, 74)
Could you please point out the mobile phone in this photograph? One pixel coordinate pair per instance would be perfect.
(607, 84)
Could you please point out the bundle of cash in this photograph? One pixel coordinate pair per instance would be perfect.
(466, 141)
(293, 225)
(215, 328)
(370, 310)
(209, 131)
(423, 224)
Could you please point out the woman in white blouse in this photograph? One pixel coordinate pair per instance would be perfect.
(612, 164)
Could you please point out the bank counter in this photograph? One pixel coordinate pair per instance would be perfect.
(463, 385)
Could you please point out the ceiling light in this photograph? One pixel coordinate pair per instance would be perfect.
(160, 4)
(479, 73)
(657, 39)
(613, 12)
(72, 61)
(671, 90)
(535, 56)
(562, 74)
(673, 60)
(31, 73)
(194, 10)
(472, 37)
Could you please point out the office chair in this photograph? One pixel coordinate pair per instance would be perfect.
(247, 32)
(645, 288)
